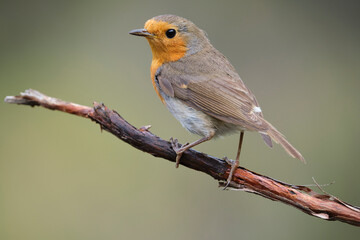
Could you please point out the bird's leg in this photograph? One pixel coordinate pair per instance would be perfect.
(235, 163)
(176, 146)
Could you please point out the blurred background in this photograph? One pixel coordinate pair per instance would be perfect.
(61, 178)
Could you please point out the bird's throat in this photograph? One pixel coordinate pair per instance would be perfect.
(166, 52)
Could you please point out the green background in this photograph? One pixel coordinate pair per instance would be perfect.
(61, 178)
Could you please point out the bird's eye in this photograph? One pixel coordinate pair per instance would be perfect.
(170, 33)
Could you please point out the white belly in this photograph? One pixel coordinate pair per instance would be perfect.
(196, 121)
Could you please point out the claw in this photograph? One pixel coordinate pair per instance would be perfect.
(179, 149)
(234, 165)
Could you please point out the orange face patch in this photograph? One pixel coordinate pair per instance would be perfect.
(165, 49)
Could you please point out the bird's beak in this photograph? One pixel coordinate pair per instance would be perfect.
(141, 32)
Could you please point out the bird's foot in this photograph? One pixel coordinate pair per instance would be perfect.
(179, 149)
(234, 165)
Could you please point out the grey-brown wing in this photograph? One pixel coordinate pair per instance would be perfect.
(218, 93)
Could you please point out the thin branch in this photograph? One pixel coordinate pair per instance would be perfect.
(323, 205)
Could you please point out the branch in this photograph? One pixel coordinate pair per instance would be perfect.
(322, 205)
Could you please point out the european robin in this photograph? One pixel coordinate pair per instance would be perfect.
(201, 88)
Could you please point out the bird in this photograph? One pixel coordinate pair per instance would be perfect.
(201, 88)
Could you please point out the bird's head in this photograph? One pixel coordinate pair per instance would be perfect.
(172, 37)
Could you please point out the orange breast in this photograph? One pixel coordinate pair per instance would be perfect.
(155, 64)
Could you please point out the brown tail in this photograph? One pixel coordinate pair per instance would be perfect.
(280, 139)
